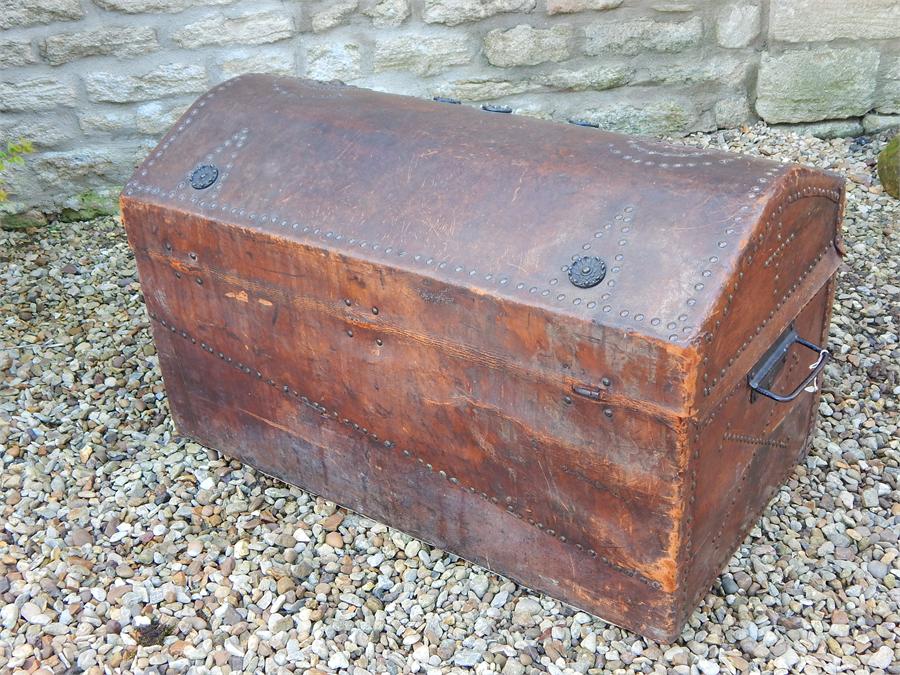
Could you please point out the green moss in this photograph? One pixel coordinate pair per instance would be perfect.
(22, 221)
(889, 167)
(90, 205)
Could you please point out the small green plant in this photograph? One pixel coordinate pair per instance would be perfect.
(13, 154)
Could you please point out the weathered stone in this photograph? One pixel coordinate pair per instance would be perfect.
(674, 6)
(454, 12)
(527, 46)
(61, 168)
(43, 132)
(16, 52)
(660, 117)
(888, 97)
(571, 6)
(827, 129)
(121, 41)
(154, 6)
(823, 20)
(107, 121)
(333, 62)
(157, 117)
(388, 13)
(280, 62)
(254, 28)
(29, 12)
(737, 25)
(732, 111)
(597, 78)
(423, 55)
(723, 68)
(334, 14)
(813, 85)
(166, 80)
(643, 35)
(873, 124)
(481, 89)
(39, 93)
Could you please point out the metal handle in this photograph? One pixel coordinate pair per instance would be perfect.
(762, 374)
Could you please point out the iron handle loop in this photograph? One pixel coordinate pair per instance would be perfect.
(756, 379)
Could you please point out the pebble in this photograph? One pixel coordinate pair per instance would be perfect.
(113, 523)
(877, 569)
(870, 498)
(882, 658)
(9, 616)
(787, 660)
(729, 585)
(81, 536)
(479, 585)
(338, 660)
(33, 614)
(467, 658)
(527, 605)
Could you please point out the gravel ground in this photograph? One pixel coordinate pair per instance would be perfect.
(123, 547)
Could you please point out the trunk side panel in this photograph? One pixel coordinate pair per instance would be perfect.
(744, 452)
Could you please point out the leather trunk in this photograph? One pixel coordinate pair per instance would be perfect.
(526, 342)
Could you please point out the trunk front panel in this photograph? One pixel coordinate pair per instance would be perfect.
(311, 367)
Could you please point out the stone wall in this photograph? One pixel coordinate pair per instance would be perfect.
(93, 83)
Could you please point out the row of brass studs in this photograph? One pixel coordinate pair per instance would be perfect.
(625, 219)
(730, 227)
(184, 124)
(688, 153)
(333, 414)
(665, 165)
(237, 140)
(710, 384)
(780, 248)
(755, 440)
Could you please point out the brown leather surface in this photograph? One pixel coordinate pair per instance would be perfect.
(466, 194)
(372, 302)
